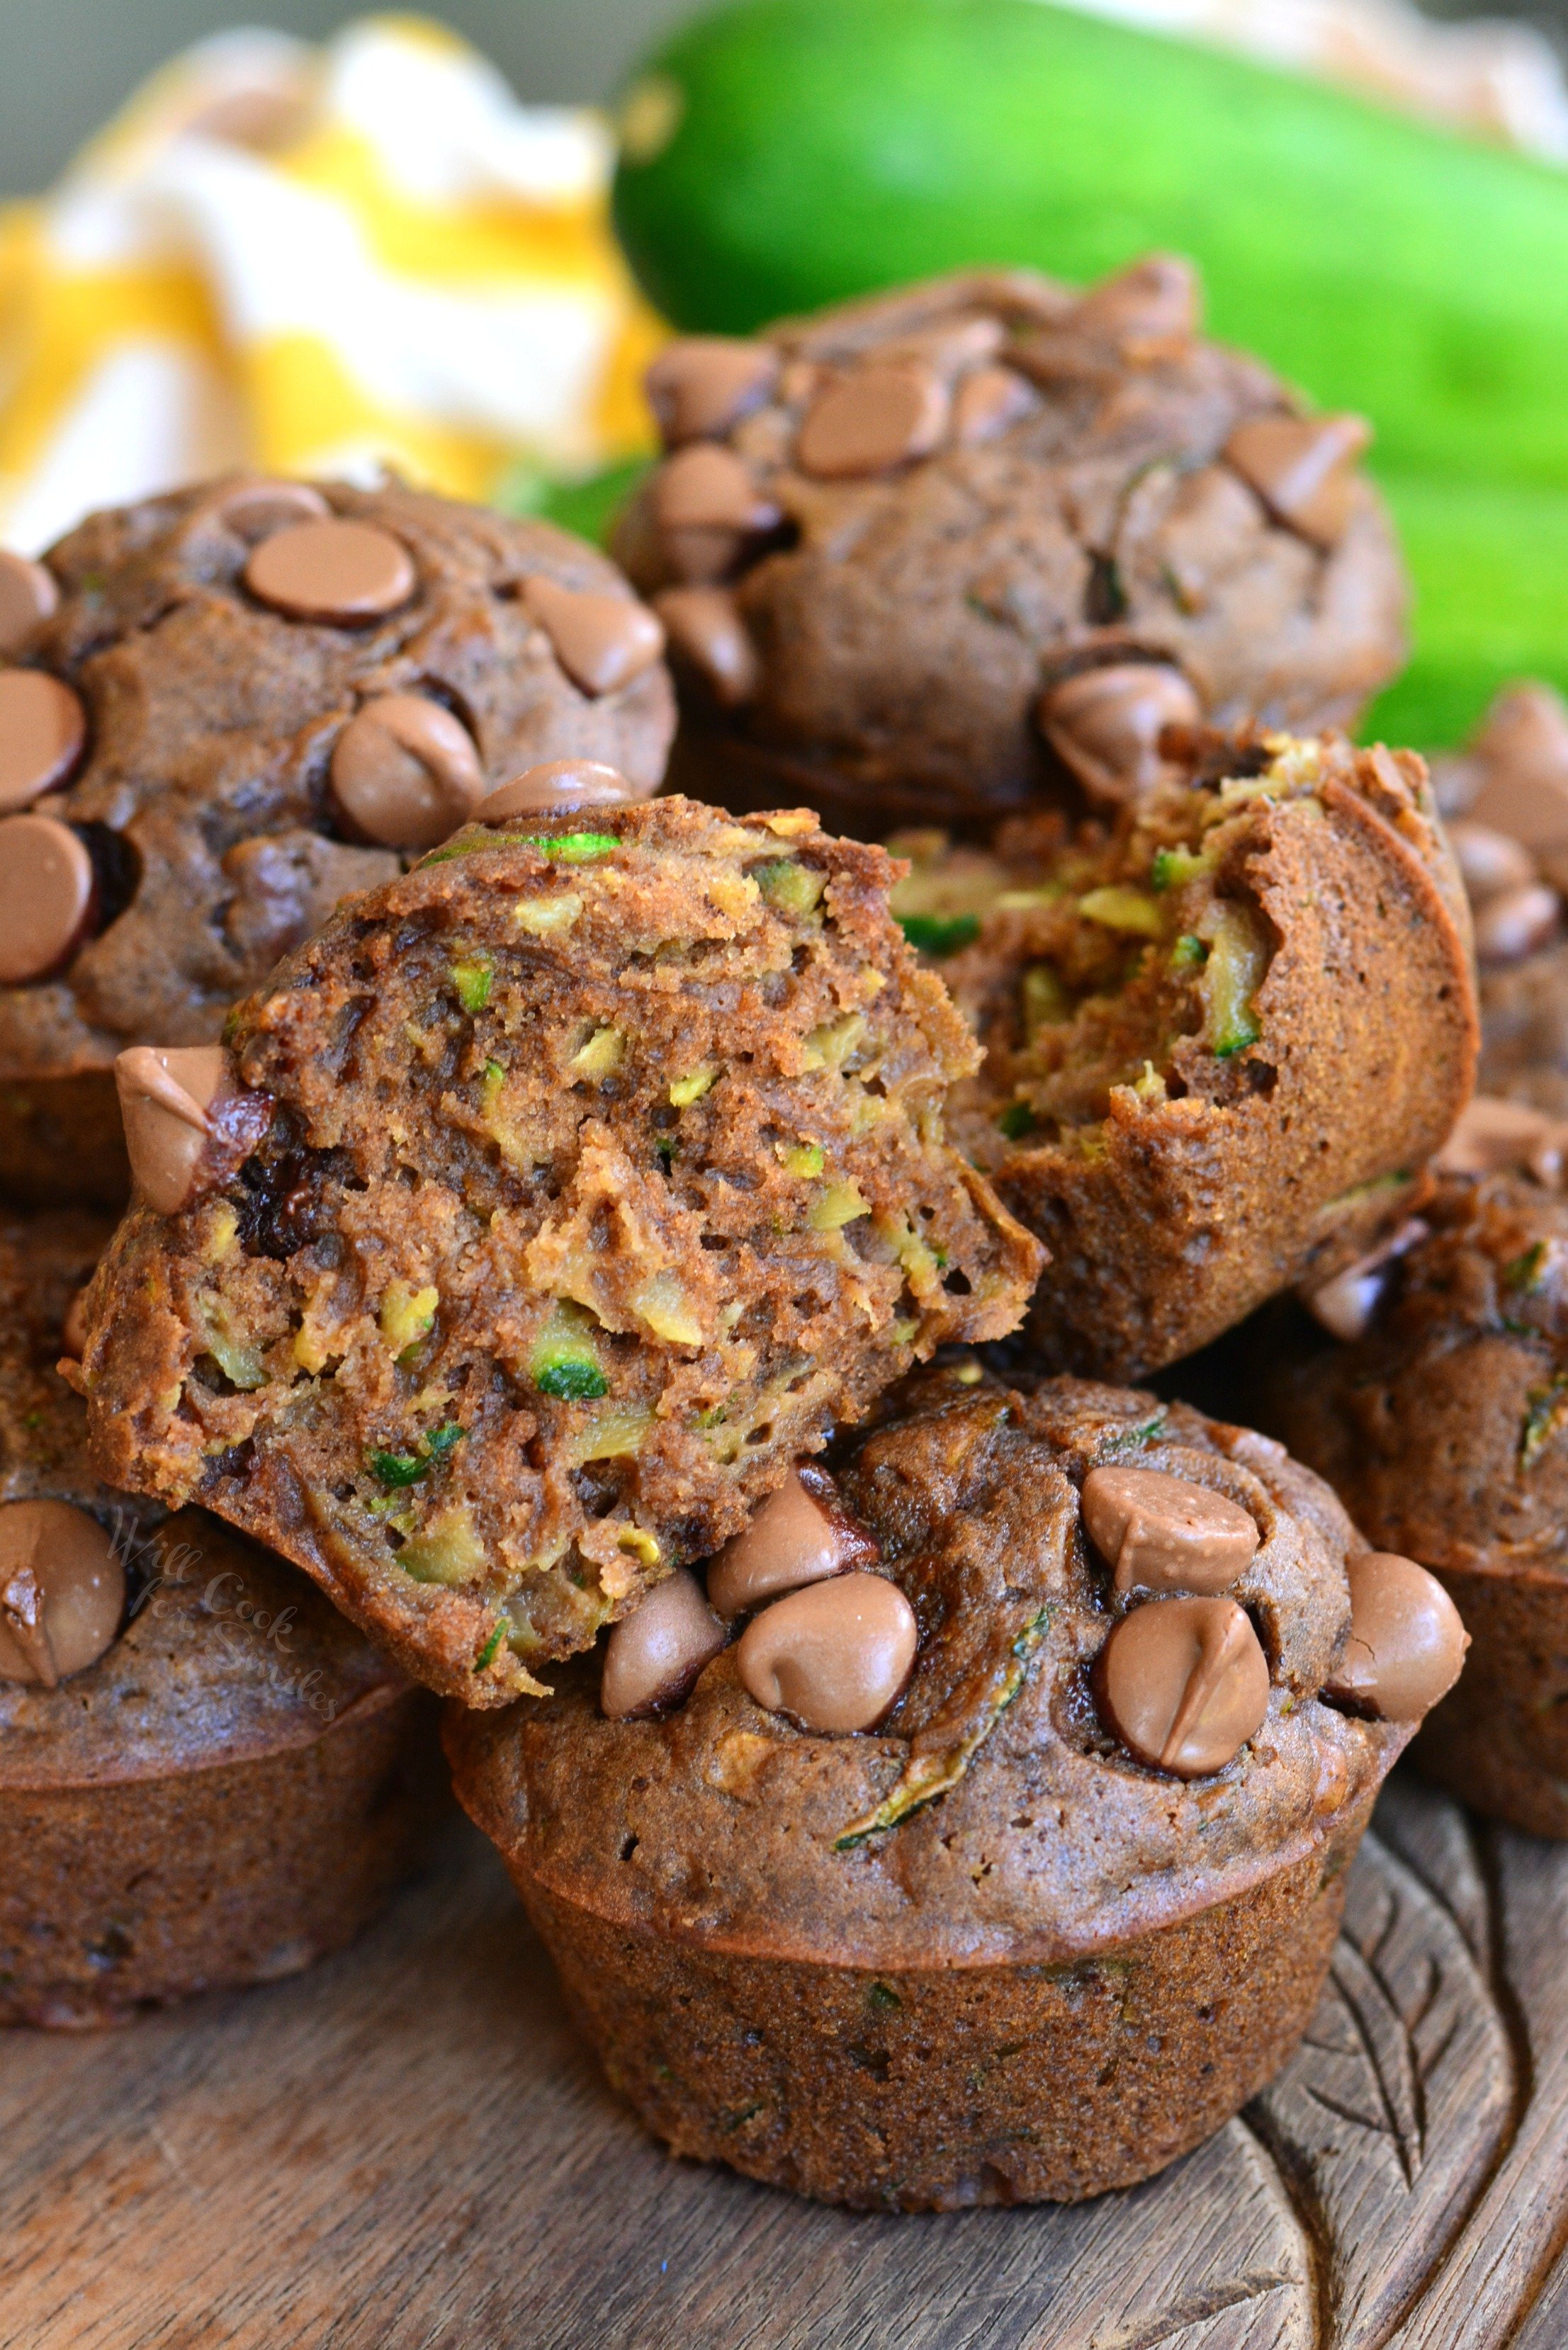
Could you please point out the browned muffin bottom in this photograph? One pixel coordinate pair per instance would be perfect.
(1221, 1041)
(234, 1783)
(931, 557)
(602, 1171)
(1443, 1427)
(981, 1953)
(232, 775)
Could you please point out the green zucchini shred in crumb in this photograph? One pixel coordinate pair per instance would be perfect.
(572, 1381)
(565, 1362)
(472, 980)
(571, 847)
(1189, 952)
(1172, 867)
(1016, 1120)
(1525, 1271)
(1547, 1413)
(788, 886)
(940, 935)
(1242, 1031)
(396, 1469)
(487, 1654)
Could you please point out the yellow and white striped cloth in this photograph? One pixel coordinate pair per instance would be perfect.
(318, 261)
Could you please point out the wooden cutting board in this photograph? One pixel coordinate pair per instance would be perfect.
(408, 2147)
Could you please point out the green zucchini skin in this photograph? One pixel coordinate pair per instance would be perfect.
(822, 147)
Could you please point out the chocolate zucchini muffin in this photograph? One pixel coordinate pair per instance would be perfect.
(1441, 1419)
(207, 1778)
(1220, 1039)
(967, 547)
(1506, 798)
(541, 1212)
(228, 709)
(999, 1858)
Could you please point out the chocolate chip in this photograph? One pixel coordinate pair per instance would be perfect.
(709, 488)
(255, 510)
(405, 772)
(800, 1535)
(1521, 753)
(873, 418)
(1406, 1642)
(556, 782)
(653, 1656)
(1105, 725)
(1515, 923)
(27, 596)
(988, 402)
(43, 734)
(1488, 861)
(1302, 467)
(49, 896)
(1494, 1137)
(706, 630)
(333, 571)
(1159, 1533)
(1183, 1683)
(1150, 310)
(834, 1656)
(62, 1592)
(166, 1095)
(1346, 1304)
(601, 642)
(702, 385)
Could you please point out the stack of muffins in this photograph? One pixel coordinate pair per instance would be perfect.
(660, 1268)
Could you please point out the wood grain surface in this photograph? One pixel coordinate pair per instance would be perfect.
(407, 2148)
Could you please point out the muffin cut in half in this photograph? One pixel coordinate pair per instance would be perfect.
(966, 546)
(1066, 1897)
(1440, 1417)
(554, 1200)
(1220, 1040)
(207, 1777)
(225, 710)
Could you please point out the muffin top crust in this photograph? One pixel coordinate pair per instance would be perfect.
(994, 1811)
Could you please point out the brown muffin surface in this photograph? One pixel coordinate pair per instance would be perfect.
(598, 1173)
(1048, 1841)
(235, 1784)
(923, 518)
(978, 1953)
(1220, 1039)
(1443, 1426)
(205, 791)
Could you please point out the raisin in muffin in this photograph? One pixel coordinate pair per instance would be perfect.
(955, 550)
(545, 1207)
(234, 706)
(207, 1778)
(1434, 1398)
(1001, 1858)
(1220, 1039)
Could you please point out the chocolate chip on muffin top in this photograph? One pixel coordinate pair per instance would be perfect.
(934, 555)
(238, 704)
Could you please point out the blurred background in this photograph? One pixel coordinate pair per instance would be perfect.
(69, 65)
(452, 243)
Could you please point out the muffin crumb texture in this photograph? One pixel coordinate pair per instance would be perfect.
(602, 1173)
(1221, 1037)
